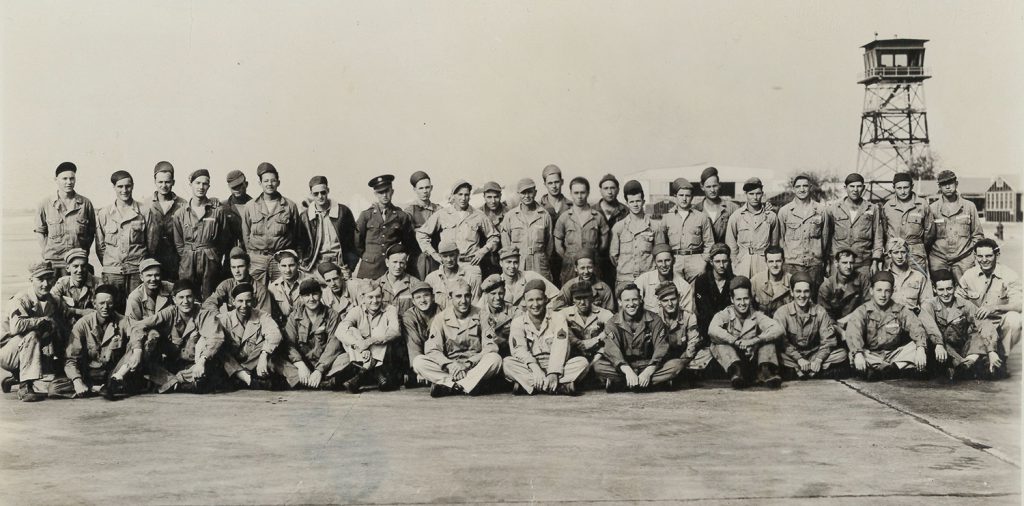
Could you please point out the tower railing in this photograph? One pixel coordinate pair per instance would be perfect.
(895, 72)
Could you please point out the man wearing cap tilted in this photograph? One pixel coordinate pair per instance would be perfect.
(855, 224)
(494, 209)
(743, 338)
(164, 206)
(718, 209)
(964, 346)
(803, 232)
(270, 223)
(810, 339)
(468, 228)
(497, 311)
(845, 288)
(77, 288)
(884, 337)
(252, 352)
(380, 227)
(907, 216)
(554, 201)
(911, 287)
(202, 236)
(580, 228)
(633, 239)
(95, 349)
(450, 269)
(416, 326)
(635, 353)
(152, 295)
(528, 227)
(751, 230)
(233, 206)
(685, 342)
(312, 348)
(957, 228)
(285, 289)
(64, 221)
(459, 353)
(711, 288)
(539, 342)
(689, 232)
(664, 270)
(338, 295)
(772, 285)
(585, 271)
(586, 321)
(369, 332)
(220, 301)
(996, 290)
(329, 228)
(419, 210)
(33, 334)
(516, 279)
(125, 234)
(396, 282)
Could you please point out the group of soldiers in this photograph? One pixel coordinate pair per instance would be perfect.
(552, 294)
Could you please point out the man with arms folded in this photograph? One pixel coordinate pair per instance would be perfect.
(884, 337)
(497, 311)
(586, 322)
(810, 346)
(743, 338)
(95, 352)
(963, 348)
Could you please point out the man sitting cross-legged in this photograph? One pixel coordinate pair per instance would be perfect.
(964, 346)
(884, 337)
(810, 346)
(312, 348)
(744, 338)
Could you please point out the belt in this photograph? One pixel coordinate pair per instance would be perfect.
(690, 252)
(268, 252)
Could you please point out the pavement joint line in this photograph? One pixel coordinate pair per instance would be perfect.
(924, 421)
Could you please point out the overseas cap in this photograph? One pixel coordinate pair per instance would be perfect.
(198, 173)
(492, 283)
(181, 285)
(752, 184)
(74, 253)
(708, 173)
(65, 167)
(800, 277)
(107, 289)
(417, 176)
(396, 249)
(163, 167)
(586, 253)
(119, 175)
(719, 248)
(902, 177)
(242, 288)
(679, 184)
(326, 267)
(525, 184)
(632, 187)
(235, 179)
(147, 264)
(264, 168)
(739, 282)
(581, 289)
(946, 176)
(883, 276)
(854, 178)
(608, 177)
(309, 286)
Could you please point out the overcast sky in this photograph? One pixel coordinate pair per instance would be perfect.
(482, 90)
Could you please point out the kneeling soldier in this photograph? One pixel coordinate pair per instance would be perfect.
(368, 333)
(883, 336)
(635, 340)
(251, 355)
(685, 341)
(188, 340)
(310, 333)
(962, 346)
(539, 341)
(810, 346)
(95, 351)
(459, 354)
(743, 337)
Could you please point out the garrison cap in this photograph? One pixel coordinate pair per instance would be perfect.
(492, 283)
(718, 248)
(119, 175)
(242, 288)
(666, 288)
(381, 183)
(549, 170)
(41, 269)
(286, 253)
(235, 179)
(181, 285)
(802, 176)
(310, 286)
(708, 173)
(74, 253)
(946, 176)
(317, 181)
(535, 284)
(581, 289)
(896, 243)
(680, 183)
(902, 177)
(238, 252)
(661, 248)
(608, 177)
(525, 184)
(507, 252)
(395, 249)
(326, 267)
(739, 282)
(752, 184)
(265, 167)
(800, 277)
(419, 285)
(943, 275)
(459, 184)
(147, 264)
(632, 187)
(107, 289)
(854, 178)
(163, 167)
(586, 253)
(447, 247)
(65, 167)
(417, 176)
(198, 173)
(883, 276)
(489, 186)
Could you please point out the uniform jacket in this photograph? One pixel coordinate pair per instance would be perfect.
(220, 300)
(201, 239)
(748, 234)
(718, 224)
(359, 325)
(163, 222)
(198, 334)
(377, 229)
(470, 230)
(911, 220)
(876, 328)
(515, 289)
(1003, 287)
(770, 297)
(554, 206)
(911, 288)
(499, 322)
(708, 300)
(94, 345)
(604, 296)
(310, 337)
(232, 208)
(438, 281)
(728, 327)
(585, 327)
(571, 237)
(638, 344)
(954, 326)
(397, 292)
(530, 230)
(64, 228)
(247, 340)
(689, 234)
(957, 228)
(265, 232)
(808, 336)
(632, 245)
(416, 328)
(683, 337)
(124, 237)
(78, 299)
(840, 296)
(803, 232)
(139, 305)
(532, 344)
(340, 218)
(856, 227)
(464, 339)
(648, 284)
(25, 312)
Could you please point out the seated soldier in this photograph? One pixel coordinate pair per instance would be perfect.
(337, 295)
(771, 286)
(996, 290)
(312, 348)
(810, 346)
(664, 270)
(845, 289)
(963, 348)
(369, 332)
(516, 279)
(450, 269)
(252, 351)
(183, 354)
(497, 311)
(743, 338)
(685, 341)
(416, 327)
(238, 265)
(285, 289)
(585, 271)
(586, 322)
(635, 340)
(95, 351)
(152, 294)
(78, 288)
(396, 281)
(459, 355)
(539, 342)
(912, 287)
(883, 336)
(33, 335)
(711, 288)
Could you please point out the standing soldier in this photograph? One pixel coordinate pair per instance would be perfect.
(202, 236)
(380, 227)
(76, 289)
(957, 228)
(803, 232)
(494, 210)
(633, 238)
(164, 207)
(233, 206)
(907, 216)
(65, 221)
(718, 209)
(845, 288)
(330, 230)
(580, 228)
(285, 289)
(270, 223)
(884, 337)
(528, 227)
(419, 211)
(772, 285)
(810, 344)
(751, 230)
(614, 212)
(689, 232)
(416, 327)
(554, 202)
(450, 269)
(125, 235)
(461, 224)
(396, 281)
(854, 225)
(743, 338)
(585, 264)
(497, 311)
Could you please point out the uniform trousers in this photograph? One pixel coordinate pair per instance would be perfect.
(517, 371)
(488, 367)
(671, 368)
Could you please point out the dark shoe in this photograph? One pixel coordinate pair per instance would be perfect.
(385, 383)
(517, 389)
(439, 390)
(352, 385)
(113, 389)
(567, 389)
(28, 394)
(8, 384)
(769, 377)
(411, 380)
(736, 378)
(612, 386)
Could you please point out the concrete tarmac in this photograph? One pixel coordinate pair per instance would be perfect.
(848, 442)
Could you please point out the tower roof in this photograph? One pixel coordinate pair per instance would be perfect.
(895, 43)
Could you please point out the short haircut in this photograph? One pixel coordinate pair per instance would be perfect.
(987, 243)
(580, 180)
(458, 284)
(628, 288)
(846, 253)
(774, 250)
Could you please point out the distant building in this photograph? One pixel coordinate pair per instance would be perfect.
(1002, 201)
